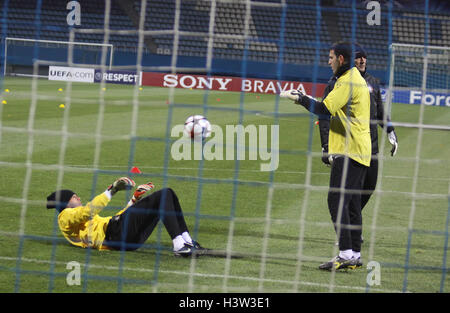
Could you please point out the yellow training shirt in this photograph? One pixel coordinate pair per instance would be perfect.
(349, 105)
(82, 226)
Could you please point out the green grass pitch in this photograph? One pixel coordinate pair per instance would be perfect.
(230, 208)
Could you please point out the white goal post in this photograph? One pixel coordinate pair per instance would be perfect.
(419, 75)
(91, 49)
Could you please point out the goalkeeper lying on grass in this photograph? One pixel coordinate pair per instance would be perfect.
(129, 228)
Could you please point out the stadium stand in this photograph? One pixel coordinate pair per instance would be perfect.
(263, 27)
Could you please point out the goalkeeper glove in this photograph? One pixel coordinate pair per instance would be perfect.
(293, 94)
(325, 155)
(327, 158)
(140, 191)
(121, 184)
(394, 142)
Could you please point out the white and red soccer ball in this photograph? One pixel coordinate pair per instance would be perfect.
(197, 127)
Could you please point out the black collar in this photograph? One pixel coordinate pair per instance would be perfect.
(342, 69)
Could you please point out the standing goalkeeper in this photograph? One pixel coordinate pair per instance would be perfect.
(377, 117)
(348, 104)
(129, 228)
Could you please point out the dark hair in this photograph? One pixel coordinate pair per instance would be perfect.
(59, 199)
(344, 48)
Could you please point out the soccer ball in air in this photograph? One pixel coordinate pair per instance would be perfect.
(197, 127)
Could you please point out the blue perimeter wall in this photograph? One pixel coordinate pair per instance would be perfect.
(20, 55)
(264, 70)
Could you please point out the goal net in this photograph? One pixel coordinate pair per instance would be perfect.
(19, 55)
(419, 75)
(423, 70)
(256, 193)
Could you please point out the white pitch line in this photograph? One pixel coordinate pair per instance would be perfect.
(87, 168)
(144, 270)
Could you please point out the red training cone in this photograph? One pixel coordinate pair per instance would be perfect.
(136, 170)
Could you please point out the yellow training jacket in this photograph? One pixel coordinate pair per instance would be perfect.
(349, 105)
(82, 226)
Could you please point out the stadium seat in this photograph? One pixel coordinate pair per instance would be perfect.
(229, 19)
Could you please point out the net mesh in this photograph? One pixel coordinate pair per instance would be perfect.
(269, 230)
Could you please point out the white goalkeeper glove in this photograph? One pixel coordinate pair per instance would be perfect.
(293, 94)
(140, 191)
(394, 142)
(121, 184)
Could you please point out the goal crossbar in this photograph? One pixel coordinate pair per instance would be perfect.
(68, 43)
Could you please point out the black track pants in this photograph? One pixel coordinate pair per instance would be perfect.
(369, 181)
(132, 228)
(346, 203)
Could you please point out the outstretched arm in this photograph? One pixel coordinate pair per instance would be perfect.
(140, 191)
(324, 128)
(316, 107)
(311, 104)
(82, 214)
(389, 128)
